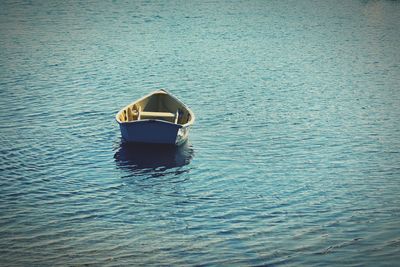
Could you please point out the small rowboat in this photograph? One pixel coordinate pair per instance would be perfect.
(158, 118)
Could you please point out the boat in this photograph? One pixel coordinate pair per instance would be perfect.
(157, 118)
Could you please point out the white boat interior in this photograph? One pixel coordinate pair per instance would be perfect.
(159, 106)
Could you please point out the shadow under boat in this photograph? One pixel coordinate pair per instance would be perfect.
(138, 156)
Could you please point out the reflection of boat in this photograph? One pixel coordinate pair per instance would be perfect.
(156, 118)
(151, 156)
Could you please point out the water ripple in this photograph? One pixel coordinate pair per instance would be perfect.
(293, 159)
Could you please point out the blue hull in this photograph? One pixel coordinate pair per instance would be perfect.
(150, 131)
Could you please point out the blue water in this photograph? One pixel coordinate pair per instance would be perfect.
(294, 158)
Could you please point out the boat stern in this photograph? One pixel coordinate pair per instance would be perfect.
(151, 131)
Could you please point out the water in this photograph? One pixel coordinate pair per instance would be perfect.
(294, 158)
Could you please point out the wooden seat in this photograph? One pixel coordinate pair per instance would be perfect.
(147, 114)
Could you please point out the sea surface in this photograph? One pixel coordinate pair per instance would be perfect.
(294, 158)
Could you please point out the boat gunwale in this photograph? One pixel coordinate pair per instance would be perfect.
(190, 122)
